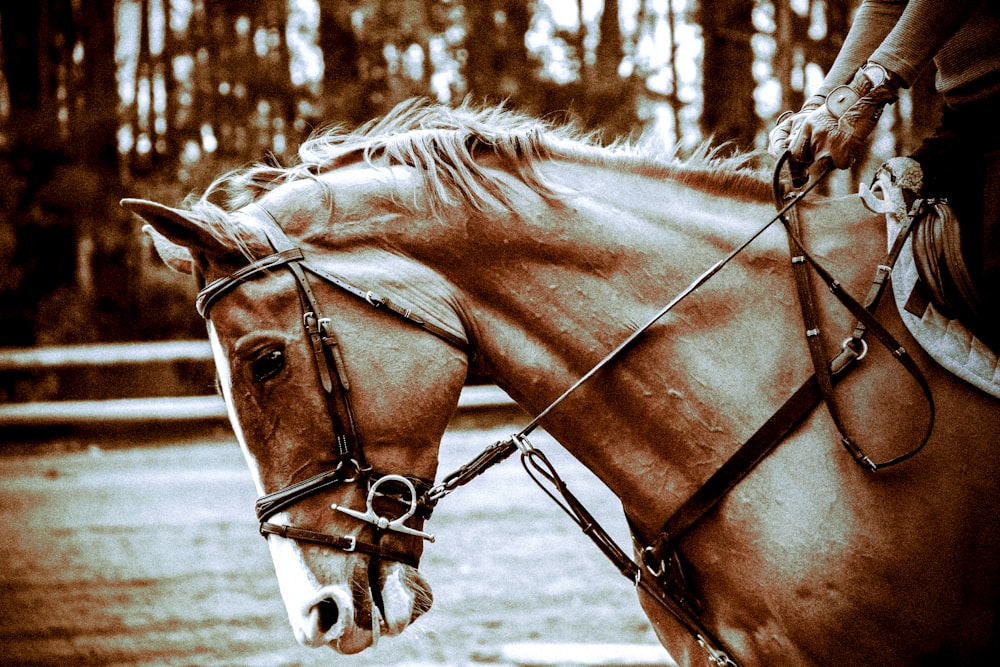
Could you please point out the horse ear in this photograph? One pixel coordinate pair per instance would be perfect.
(176, 234)
(175, 256)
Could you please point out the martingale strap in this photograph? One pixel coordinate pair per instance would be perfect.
(660, 573)
(816, 388)
(866, 324)
(650, 578)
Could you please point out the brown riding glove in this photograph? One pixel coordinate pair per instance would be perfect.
(788, 123)
(838, 128)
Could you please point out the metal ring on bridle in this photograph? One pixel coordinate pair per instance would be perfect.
(864, 346)
(381, 522)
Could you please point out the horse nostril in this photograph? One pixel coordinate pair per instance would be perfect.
(328, 613)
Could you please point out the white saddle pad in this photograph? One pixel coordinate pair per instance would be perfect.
(947, 341)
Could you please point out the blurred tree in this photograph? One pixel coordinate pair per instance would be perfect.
(68, 248)
(105, 231)
(31, 155)
(498, 66)
(157, 97)
(728, 113)
(342, 79)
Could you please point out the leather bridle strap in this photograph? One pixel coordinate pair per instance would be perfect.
(217, 288)
(214, 290)
(272, 503)
(351, 466)
(823, 374)
(342, 542)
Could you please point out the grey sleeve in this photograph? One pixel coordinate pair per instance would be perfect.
(873, 21)
(921, 31)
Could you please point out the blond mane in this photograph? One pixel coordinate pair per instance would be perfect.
(446, 144)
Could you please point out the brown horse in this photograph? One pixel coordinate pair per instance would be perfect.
(494, 243)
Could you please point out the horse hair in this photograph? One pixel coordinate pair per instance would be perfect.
(443, 144)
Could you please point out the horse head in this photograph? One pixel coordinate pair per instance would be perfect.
(339, 407)
(314, 276)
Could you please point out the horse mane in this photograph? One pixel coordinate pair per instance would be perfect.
(443, 144)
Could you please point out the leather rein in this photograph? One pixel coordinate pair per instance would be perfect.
(658, 571)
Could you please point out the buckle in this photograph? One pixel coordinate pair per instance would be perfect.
(840, 100)
(352, 543)
(384, 523)
(848, 344)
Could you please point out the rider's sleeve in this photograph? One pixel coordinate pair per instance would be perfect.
(923, 27)
(872, 22)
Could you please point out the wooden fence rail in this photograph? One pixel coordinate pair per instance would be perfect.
(155, 409)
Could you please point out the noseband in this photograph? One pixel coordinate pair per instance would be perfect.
(385, 493)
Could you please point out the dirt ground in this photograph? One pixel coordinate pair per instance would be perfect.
(150, 555)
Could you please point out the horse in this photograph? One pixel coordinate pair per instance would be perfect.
(349, 296)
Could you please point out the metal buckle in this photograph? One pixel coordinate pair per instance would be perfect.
(325, 326)
(715, 656)
(649, 558)
(380, 522)
(864, 347)
(352, 543)
(341, 466)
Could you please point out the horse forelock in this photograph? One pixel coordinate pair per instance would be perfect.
(446, 147)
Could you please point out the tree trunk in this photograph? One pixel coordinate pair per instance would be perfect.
(498, 67)
(342, 88)
(36, 247)
(728, 112)
(105, 226)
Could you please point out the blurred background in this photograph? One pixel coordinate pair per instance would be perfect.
(103, 99)
(101, 348)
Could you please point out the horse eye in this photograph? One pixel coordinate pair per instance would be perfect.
(268, 364)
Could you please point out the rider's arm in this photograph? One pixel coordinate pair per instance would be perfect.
(872, 22)
(921, 31)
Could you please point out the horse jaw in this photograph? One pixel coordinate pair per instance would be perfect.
(326, 614)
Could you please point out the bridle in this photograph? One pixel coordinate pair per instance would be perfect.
(385, 493)
(659, 570)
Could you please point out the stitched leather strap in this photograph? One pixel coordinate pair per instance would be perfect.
(746, 458)
(810, 317)
(213, 291)
(343, 542)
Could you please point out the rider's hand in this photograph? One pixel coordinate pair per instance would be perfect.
(839, 127)
(789, 122)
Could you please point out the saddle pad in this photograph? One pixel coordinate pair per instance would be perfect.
(947, 341)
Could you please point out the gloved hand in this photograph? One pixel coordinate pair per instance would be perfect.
(789, 122)
(838, 128)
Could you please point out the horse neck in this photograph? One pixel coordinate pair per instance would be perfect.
(545, 291)
(550, 291)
